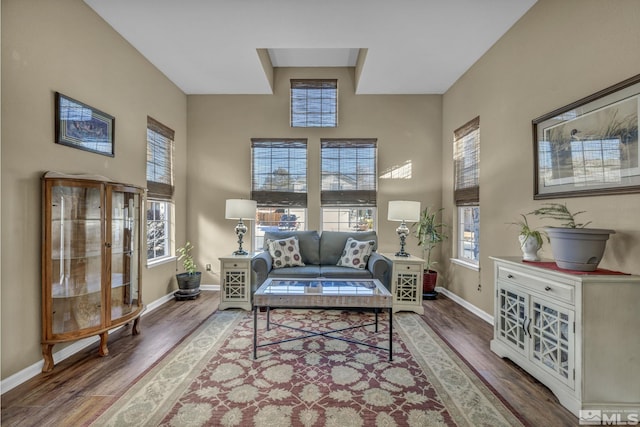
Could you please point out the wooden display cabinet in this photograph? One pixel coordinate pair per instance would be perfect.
(90, 259)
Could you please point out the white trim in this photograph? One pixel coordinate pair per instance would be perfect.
(467, 264)
(29, 372)
(467, 305)
(160, 261)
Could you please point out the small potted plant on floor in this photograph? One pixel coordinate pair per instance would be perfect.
(189, 281)
(430, 233)
(574, 246)
(531, 239)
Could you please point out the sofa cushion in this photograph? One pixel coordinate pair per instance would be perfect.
(285, 252)
(332, 244)
(336, 271)
(308, 241)
(306, 272)
(356, 253)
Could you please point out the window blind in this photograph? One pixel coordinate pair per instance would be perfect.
(159, 160)
(279, 172)
(466, 158)
(314, 103)
(348, 172)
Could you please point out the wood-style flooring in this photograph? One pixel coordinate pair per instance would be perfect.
(81, 386)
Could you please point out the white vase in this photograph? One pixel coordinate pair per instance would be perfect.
(530, 248)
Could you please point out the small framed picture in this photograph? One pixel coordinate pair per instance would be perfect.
(80, 126)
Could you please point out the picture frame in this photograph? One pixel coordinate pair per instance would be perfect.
(589, 147)
(81, 126)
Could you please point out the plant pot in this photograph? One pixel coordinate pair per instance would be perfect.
(429, 280)
(530, 248)
(578, 249)
(189, 285)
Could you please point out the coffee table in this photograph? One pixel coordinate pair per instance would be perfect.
(322, 293)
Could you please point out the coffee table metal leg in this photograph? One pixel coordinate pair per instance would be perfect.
(268, 318)
(375, 310)
(390, 334)
(255, 332)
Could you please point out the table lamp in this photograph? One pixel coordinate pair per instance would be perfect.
(241, 209)
(403, 210)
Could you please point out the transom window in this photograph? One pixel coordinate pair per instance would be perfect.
(314, 103)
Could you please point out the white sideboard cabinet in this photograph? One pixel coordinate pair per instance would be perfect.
(576, 333)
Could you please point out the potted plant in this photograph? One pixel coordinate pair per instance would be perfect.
(429, 232)
(189, 281)
(531, 239)
(574, 246)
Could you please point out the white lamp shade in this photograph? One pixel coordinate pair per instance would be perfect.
(241, 209)
(403, 210)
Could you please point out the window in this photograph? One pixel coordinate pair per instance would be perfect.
(466, 159)
(278, 185)
(348, 184)
(160, 190)
(314, 103)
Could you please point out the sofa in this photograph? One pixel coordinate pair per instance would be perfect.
(321, 254)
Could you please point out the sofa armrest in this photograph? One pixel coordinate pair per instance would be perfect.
(380, 269)
(261, 264)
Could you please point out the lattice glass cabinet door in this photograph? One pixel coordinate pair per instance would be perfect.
(513, 318)
(90, 259)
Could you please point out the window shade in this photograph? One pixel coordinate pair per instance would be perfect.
(314, 103)
(159, 160)
(279, 172)
(348, 172)
(466, 158)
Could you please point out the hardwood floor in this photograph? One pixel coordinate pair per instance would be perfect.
(81, 387)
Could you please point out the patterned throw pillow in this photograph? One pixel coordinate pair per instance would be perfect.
(285, 252)
(356, 253)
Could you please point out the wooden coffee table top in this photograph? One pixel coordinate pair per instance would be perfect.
(323, 293)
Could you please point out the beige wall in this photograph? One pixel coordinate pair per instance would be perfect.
(559, 52)
(220, 131)
(63, 46)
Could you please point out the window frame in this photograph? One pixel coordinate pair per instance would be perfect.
(160, 185)
(466, 171)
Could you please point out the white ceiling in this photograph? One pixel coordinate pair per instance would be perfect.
(413, 46)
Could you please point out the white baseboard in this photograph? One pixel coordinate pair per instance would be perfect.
(466, 304)
(35, 369)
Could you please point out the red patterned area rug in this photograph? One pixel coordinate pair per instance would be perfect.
(211, 378)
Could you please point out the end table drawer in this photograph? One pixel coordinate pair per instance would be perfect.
(234, 265)
(561, 291)
(409, 267)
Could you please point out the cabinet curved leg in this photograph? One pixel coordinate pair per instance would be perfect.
(104, 351)
(48, 357)
(135, 329)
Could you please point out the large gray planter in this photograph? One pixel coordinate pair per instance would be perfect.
(578, 248)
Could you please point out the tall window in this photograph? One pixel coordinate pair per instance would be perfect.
(279, 185)
(348, 193)
(466, 158)
(160, 190)
(314, 103)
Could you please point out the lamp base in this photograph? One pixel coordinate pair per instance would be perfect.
(403, 253)
(241, 252)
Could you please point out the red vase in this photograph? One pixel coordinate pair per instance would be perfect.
(429, 280)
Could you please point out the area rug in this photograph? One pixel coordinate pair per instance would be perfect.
(211, 378)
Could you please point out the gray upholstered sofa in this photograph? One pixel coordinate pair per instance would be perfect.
(320, 254)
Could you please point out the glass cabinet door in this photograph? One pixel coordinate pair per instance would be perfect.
(76, 258)
(125, 240)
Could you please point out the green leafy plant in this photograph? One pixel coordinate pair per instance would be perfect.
(527, 231)
(429, 232)
(186, 258)
(560, 212)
